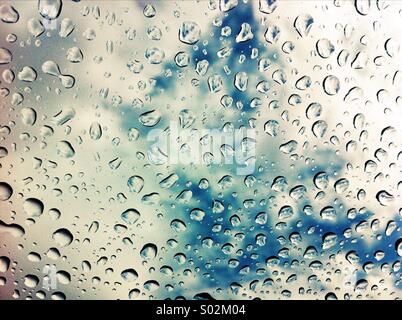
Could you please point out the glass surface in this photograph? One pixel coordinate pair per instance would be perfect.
(190, 149)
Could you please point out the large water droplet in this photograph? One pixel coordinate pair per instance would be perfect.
(95, 131)
(4, 263)
(189, 32)
(130, 216)
(63, 237)
(50, 9)
(150, 118)
(135, 183)
(149, 251)
(65, 149)
(385, 198)
(6, 191)
(5, 56)
(33, 207)
(303, 24)
(8, 14)
(129, 275)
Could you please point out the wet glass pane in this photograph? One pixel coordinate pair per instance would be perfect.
(230, 149)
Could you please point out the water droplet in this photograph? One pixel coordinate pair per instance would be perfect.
(130, 216)
(215, 83)
(154, 55)
(6, 191)
(33, 207)
(182, 59)
(27, 74)
(303, 24)
(329, 240)
(362, 6)
(95, 131)
(197, 214)
(35, 27)
(341, 185)
(5, 56)
(149, 11)
(129, 275)
(28, 116)
(268, 6)
(331, 85)
(67, 26)
(65, 149)
(150, 118)
(272, 34)
(149, 251)
(245, 33)
(135, 184)
(63, 237)
(4, 263)
(50, 9)
(319, 128)
(31, 281)
(398, 247)
(178, 225)
(74, 55)
(288, 147)
(13, 229)
(8, 14)
(189, 32)
(325, 48)
(385, 198)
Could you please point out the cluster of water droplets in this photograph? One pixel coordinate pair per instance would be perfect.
(83, 189)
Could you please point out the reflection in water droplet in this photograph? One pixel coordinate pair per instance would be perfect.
(154, 55)
(65, 149)
(189, 32)
(130, 216)
(62, 237)
(149, 251)
(178, 225)
(8, 14)
(13, 229)
(31, 281)
(95, 131)
(362, 6)
(288, 147)
(6, 191)
(271, 127)
(27, 74)
(325, 48)
(66, 27)
(5, 56)
(4, 263)
(385, 198)
(129, 275)
(150, 118)
(268, 6)
(33, 207)
(50, 9)
(135, 183)
(35, 27)
(197, 214)
(28, 116)
(74, 55)
(303, 24)
(331, 85)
